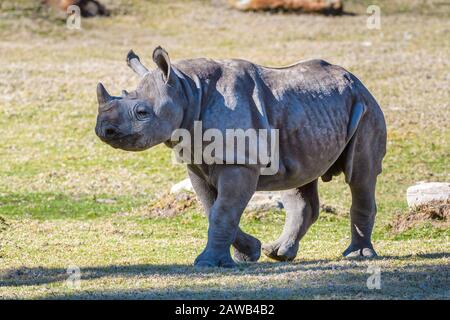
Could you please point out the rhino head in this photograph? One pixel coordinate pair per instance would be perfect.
(145, 117)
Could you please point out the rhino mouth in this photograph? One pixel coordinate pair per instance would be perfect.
(129, 142)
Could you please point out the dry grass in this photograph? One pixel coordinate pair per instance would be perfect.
(436, 213)
(170, 205)
(53, 169)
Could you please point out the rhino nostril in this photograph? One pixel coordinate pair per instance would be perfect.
(110, 132)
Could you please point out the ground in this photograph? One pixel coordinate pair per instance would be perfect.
(66, 199)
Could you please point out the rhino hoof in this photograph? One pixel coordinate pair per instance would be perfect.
(224, 262)
(251, 252)
(280, 252)
(243, 257)
(355, 252)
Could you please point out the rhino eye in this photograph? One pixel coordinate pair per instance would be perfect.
(141, 111)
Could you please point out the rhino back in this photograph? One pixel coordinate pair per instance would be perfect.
(245, 95)
(310, 103)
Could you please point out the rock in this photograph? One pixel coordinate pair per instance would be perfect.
(261, 201)
(183, 185)
(427, 192)
(264, 201)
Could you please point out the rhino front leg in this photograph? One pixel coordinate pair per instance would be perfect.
(302, 210)
(246, 247)
(235, 187)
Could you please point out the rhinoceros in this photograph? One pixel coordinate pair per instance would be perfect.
(327, 123)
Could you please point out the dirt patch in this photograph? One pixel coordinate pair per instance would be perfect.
(437, 213)
(171, 205)
(334, 210)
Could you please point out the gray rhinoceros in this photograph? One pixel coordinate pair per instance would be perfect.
(327, 123)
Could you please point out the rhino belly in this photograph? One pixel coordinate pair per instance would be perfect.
(305, 156)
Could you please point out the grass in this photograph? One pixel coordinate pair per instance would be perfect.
(67, 199)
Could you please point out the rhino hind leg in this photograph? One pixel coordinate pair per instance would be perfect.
(302, 210)
(362, 217)
(362, 166)
(361, 177)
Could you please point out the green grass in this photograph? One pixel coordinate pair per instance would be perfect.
(47, 206)
(68, 199)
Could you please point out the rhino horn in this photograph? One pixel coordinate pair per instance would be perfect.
(102, 95)
(135, 64)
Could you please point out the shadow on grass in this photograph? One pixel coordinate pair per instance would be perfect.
(303, 279)
(25, 276)
(435, 255)
(410, 282)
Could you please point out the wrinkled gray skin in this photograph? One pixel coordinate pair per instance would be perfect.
(328, 123)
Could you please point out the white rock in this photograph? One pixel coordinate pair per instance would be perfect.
(263, 200)
(425, 192)
(183, 185)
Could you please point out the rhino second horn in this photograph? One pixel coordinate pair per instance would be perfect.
(135, 64)
(102, 95)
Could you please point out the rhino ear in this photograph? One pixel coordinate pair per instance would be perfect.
(102, 95)
(161, 58)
